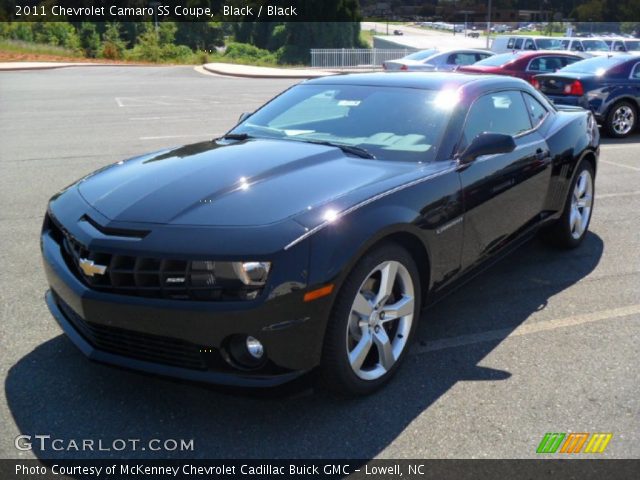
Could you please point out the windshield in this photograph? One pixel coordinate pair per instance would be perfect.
(632, 44)
(596, 65)
(421, 55)
(549, 44)
(390, 123)
(595, 46)
(497, 60)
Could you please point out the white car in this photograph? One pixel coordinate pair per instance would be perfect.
(437, 61)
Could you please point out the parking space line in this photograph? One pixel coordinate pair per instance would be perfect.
(211, 135)
(614, 195)
(608, 162)
(526, 329)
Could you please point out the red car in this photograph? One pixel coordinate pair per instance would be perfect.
(523, 65)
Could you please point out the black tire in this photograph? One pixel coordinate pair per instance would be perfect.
(336, 372)
(617, 130)
(561, 234)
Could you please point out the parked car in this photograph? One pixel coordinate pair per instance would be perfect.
(608, 86)
(616, 44)
(310, 235)
(590, 46)
(415, 57)
(525, 65)
(510, 43)
(398, 32)
(473, 34)
(448, 60)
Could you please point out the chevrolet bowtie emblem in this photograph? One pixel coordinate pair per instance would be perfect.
(90, 269)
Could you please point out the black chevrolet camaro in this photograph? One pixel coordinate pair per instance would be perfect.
(309, 237)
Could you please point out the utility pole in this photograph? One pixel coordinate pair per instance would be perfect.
(488, 23)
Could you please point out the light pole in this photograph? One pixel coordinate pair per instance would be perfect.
(154, 4)
(488, 22)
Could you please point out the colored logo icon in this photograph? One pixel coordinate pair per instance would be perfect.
(574, 443)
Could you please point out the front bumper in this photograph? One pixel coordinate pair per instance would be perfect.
(184, 339)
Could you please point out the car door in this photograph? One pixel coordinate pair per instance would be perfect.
(502, 194)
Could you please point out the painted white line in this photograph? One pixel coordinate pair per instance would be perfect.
(208, 135)
(613, 195)
(618, 147)
(622, 165)
(526, 329)
(167, 117)
(119, 102)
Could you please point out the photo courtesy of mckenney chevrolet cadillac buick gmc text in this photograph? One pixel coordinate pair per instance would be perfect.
(307, 239)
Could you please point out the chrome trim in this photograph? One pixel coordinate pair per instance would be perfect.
(366, 202)
(447, 226)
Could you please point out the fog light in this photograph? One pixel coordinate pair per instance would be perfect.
(255, 348)
(245, 352)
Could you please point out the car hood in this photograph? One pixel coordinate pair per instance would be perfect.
(253, 182)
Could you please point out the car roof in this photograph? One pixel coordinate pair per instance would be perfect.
(420, 80)
(536, 53)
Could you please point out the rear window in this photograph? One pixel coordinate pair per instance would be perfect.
(497, 60)
(421, 55)
(596, 65)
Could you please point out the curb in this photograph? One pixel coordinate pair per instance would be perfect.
(288, 75)
(18, 67)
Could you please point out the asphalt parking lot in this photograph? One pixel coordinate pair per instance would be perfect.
(546, 341)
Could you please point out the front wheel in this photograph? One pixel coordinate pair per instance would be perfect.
(571, 228)
(372, 323)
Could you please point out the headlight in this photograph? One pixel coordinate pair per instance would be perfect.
(232, 280)
(252, 273)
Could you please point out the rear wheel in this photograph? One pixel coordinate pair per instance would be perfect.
(622, 119)
(571, 228)
(372, 323)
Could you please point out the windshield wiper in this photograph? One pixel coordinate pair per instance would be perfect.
(353, 150)
(235, 136)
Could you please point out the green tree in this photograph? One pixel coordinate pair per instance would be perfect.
(113, 46)
(90, 39)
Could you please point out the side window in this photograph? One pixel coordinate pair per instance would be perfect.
(635, 73)
(565, 44)
(529, 44)
(518, 44)
(499, 112)
(569, 60)
(546, 64)
(537, 112)
(511, 42)
(536, 65)
(461, 59)
(576, 46)
(481, 56)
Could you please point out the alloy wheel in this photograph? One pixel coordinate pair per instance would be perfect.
(380, 320)
(623, 120)
(581, 203)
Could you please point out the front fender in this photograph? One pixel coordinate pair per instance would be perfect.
(337, 248)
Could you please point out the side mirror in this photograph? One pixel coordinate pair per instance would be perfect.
(244, 116)
(487, 144)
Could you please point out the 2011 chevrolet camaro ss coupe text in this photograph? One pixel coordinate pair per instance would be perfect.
(309, 236)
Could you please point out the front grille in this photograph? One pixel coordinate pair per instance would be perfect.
(147, 276)
(128, 343)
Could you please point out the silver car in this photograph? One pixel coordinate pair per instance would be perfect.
(437, 61)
